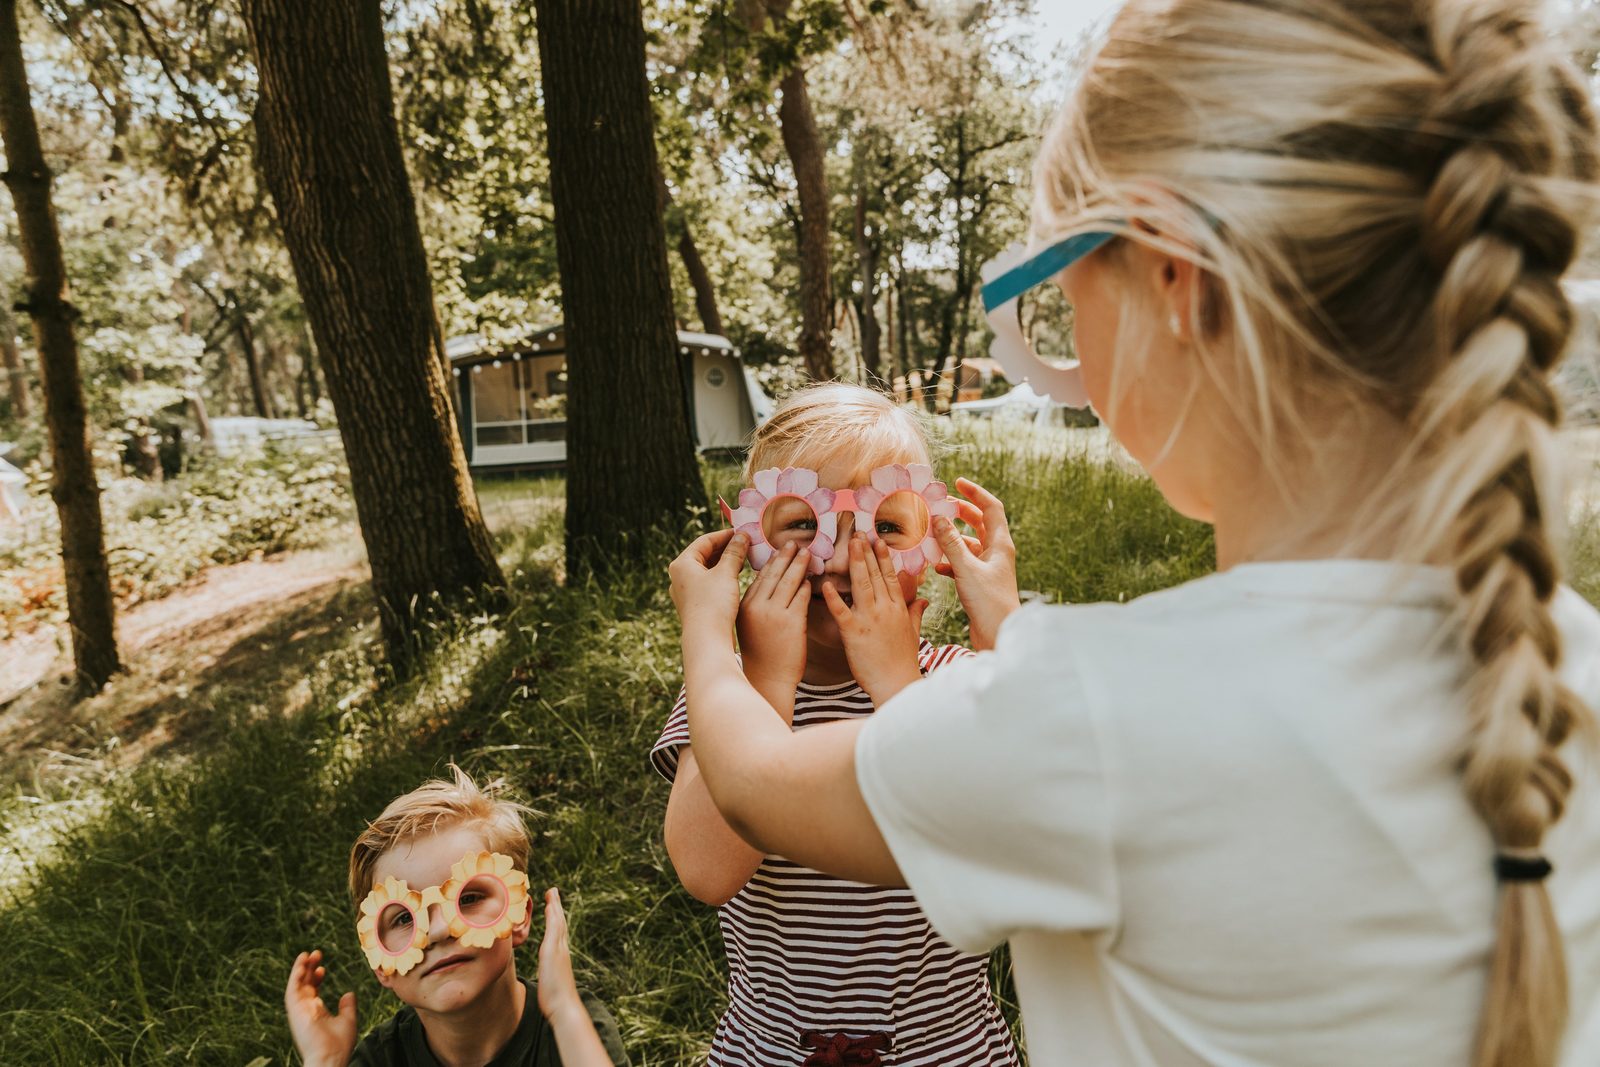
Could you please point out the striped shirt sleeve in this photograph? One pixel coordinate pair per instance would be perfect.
(664, 755)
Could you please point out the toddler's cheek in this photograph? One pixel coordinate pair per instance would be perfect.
(909, 584)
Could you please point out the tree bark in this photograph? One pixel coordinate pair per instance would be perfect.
(705, 295)
(90, 608)
(16, 373)
(867, 302)
(630, 453)
(252, 361)
(803, 144)
(330, 152)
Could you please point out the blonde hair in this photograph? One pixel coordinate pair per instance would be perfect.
(440, 805)
(1381, 196)
(817, 424)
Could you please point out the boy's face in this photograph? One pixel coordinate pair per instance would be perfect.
(451, 976)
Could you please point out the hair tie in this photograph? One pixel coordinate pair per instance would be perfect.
(1508, 868)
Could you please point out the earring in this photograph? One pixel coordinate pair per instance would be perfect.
(1175, 325)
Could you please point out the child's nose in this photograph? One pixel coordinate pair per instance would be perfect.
(839, 562)
(438, 929)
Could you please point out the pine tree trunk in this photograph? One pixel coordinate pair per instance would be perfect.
(90, 609)
(330, 152)
(630, 453)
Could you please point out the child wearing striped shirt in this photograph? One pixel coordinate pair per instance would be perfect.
(821, 970)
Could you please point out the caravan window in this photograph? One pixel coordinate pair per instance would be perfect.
(520, 401)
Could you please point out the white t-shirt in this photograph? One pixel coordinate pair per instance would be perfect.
(1222, 825)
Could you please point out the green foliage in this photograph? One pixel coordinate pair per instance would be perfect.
(159, 536)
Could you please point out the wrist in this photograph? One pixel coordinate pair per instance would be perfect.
(882, 690)
(566, 1013)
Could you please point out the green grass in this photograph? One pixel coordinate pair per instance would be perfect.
(151, 917)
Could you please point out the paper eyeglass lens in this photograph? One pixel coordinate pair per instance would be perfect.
(396, 928)
(788, 520)
(482, 901)
(901, 521)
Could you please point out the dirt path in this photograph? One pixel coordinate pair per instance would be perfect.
(211, 631)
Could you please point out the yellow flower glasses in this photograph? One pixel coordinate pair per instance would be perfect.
(482, 902)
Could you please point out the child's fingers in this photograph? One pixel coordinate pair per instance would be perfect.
(887, 573)
(861, 588)
(772, 574)
(996, 529)
(974, 546)
(836, 605)
(793, 577)
(969, 514)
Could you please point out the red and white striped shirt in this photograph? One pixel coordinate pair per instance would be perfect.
(815, 961)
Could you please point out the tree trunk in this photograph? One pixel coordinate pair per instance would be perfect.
(142, 453)
(705, 296)
(16, 373)
(867, 303)
(630, 452)
(330, 152)
(252, 361)
(90, 609)
(803, 144)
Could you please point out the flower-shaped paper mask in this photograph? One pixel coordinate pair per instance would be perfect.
(483, 901)
(786, 506)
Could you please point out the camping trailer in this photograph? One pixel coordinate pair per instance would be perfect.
(512, 401)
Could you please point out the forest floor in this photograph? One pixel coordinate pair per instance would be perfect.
(241, 626)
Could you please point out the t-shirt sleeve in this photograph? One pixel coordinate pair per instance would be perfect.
(988, 784)
(664, 755)
(605, 1024)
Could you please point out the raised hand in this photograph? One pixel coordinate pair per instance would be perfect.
(772, 623)
(882, 633)
(324, 1038)
(705, 581)
(576, 1038)
(985, 567)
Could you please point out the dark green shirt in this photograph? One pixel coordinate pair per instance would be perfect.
(401, 1042)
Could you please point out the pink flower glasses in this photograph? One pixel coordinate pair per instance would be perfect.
(787, 506)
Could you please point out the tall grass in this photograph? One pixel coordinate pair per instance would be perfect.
(160, 925)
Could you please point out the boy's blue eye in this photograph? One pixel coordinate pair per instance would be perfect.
(885, 528)
(803, 524)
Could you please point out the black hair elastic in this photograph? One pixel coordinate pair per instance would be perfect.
(1521, 868)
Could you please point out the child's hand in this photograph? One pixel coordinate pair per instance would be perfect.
(558, 990)
(882, 634)
(772, 622)
(323, 1037)
(705, 582)
(985, 568)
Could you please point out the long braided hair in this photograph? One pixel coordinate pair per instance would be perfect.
(1383, 196)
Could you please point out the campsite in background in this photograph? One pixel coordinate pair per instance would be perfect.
(305, 493)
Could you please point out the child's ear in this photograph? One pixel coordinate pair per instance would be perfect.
(519, 932)
(385, 979)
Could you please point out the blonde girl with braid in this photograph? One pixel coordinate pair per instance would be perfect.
(1336, 804)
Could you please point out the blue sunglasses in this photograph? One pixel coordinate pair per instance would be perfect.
(1040, 268)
